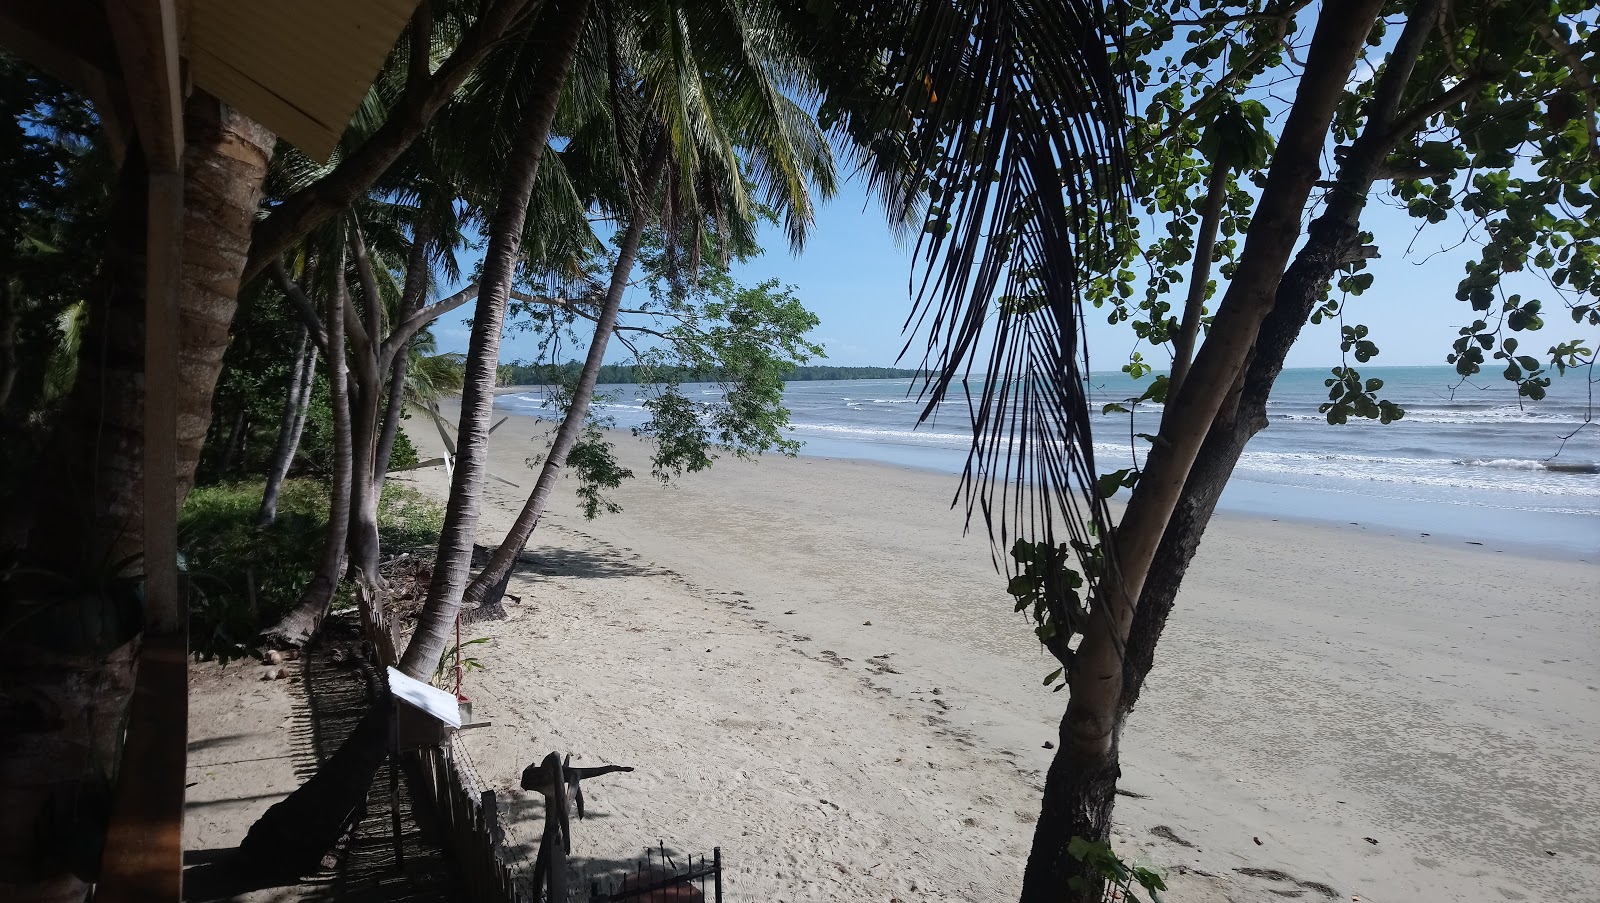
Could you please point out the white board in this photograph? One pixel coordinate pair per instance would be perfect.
(436, 702)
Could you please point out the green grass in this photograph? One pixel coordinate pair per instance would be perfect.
(225, 553)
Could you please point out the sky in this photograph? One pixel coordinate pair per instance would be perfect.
(855, 277)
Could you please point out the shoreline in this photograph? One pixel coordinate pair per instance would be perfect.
(1319, 686)
(1232, 508)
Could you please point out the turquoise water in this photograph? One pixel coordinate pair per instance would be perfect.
(1467, 460)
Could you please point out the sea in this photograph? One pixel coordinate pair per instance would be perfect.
(1468, 461)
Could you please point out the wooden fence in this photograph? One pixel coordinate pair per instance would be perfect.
(469, 820)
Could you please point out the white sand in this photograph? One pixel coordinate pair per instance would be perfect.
(1318, 686)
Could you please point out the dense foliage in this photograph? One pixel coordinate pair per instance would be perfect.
(244, 577)
(55, 182)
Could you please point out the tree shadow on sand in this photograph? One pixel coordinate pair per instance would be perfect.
(553, 562)
(366, 869)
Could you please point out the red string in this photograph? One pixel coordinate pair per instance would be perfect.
(459, 672)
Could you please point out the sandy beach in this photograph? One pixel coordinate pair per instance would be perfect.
(811, 667)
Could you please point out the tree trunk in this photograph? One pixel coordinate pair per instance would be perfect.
(1093, 719)
(230, 451)
(67, 648)
(301, 623)
(416, 289)
(394, 406)
(1194, 305)
(1333, 238)
(70, 673)
(505, 557)
(9, 319)
(301, 379)
(368, 372)
(483, 351)
(224, 162)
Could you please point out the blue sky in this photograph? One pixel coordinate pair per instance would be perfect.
(855, 277)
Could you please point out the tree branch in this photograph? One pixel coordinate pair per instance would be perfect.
(1581, 76)
(417, 71)
(302, 305)
(1408, 122)
(410, 325)
(1227, 80)
(364, 338)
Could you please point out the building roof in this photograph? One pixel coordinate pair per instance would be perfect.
(298, 67)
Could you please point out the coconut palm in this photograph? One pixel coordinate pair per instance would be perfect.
(690, 108)
(994, 125)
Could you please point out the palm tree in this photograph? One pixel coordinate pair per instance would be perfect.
(994, 126)
(530, 101)
(690, 99)
(296, 405)
(292, 831)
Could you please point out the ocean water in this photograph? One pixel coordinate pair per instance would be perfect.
(1467, 461)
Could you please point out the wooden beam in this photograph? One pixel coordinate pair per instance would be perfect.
(164, 609)
(148, 48)
(143, 861)
(143, 857)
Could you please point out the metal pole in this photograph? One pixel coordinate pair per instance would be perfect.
(716, 862)
(394, 783)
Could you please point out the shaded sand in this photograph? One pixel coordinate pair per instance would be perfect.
(1334, 713)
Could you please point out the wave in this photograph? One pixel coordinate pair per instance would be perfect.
(1466, 416)
(1577, 467)
(1541, 477)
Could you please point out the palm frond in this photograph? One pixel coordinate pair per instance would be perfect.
(1003, 118)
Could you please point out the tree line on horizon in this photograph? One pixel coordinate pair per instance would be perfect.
(1159, 165)
(526, 374)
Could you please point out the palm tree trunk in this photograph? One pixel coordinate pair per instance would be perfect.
(394, 406)
(68, 671)
(363, 538)
(483, 351)
(578, 411)
(366, 347)
(301, 623)
(224, 165)
(1087, 751)
(301, 379)
(10, 317)
(1205, 246)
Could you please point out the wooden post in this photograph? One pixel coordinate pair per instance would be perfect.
(143, 858)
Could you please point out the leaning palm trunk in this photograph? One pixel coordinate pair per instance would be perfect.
(1081, 783)
(483, 351)
(362, 541)
(578, 411)
(326, 800)
(301, 623)
(224, 167)
(302, 378)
